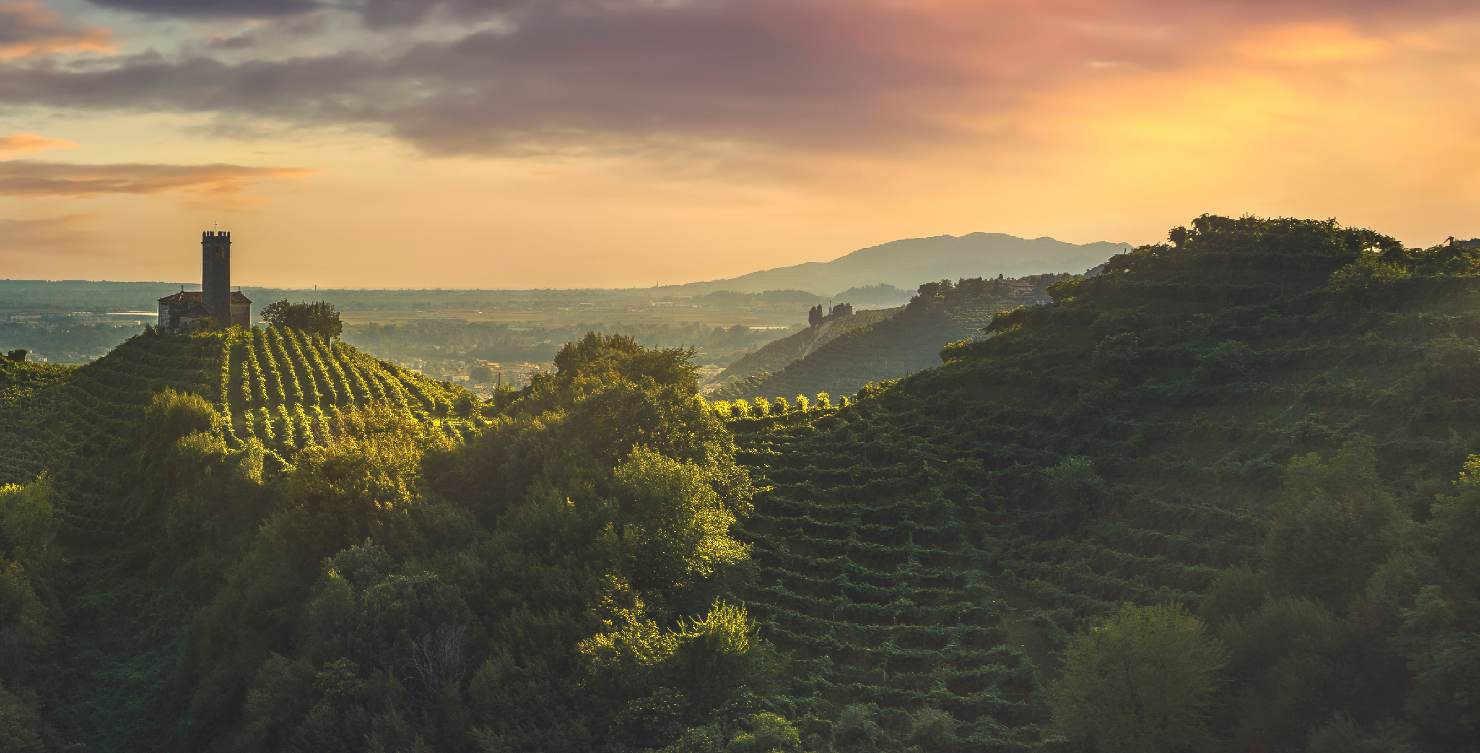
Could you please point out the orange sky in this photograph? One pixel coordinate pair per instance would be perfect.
(570, 143)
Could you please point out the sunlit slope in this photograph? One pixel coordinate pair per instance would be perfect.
(25, 438)
(285, 388)
(282, 387)
(933, 546)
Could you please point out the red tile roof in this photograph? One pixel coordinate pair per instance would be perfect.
(194, 296)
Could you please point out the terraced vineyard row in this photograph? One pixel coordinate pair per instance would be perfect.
(285, 388)
(289, 389)
(936, 552)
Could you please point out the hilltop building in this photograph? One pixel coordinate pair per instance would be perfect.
(216, 304)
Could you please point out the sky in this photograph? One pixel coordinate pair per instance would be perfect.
(616, 143)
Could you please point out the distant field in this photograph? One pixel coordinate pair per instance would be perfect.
(454, 335)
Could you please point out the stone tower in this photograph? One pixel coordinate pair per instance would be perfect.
(215, 275)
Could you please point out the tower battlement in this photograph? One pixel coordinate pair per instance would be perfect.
(215, 283)
(216, 305)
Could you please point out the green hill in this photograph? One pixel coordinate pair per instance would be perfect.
(1223, 496)
(777, 355)
(79, 428)
(885, 346)
(1145, 440)
(260, 541)
(281, 387)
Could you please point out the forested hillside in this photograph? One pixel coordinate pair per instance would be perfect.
(264, 541)
(777, 355)
(1264, 425)
(890, 346)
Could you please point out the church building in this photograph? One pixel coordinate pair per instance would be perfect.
(216, 305)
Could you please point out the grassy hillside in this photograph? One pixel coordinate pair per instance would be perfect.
(777, 355)
(933, 547)
(891, 346)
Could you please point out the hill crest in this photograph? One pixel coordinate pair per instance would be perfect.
(911, 262)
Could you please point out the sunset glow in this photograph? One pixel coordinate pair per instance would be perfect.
(575, 143)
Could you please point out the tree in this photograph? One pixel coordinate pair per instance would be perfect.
(1140, 682)
(320, 318)
(1334, 524)
(482, 373)
(672, 522)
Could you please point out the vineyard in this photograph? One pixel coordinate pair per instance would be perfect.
(281, 387)
(288, 389)
(931, 548)
(81, 425)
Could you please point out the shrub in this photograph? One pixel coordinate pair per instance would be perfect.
(933, 729)
(1117, 354)
(1226, 362)
(857, 728)
(1139, 682)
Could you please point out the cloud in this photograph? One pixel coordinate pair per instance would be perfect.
(213, 8)
(66, 235)
(34, 179)
(17, 144)
(28, 29)
(665, 77)
(376, 13)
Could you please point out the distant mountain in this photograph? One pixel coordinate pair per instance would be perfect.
(908, 263)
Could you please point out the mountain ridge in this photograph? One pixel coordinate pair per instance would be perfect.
(909, 262)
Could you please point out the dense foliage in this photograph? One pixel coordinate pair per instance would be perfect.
(1223, 496)
(1259, 424)
(319, 318)
(550, 579)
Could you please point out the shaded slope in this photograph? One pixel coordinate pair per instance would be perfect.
(122, 628)
(933, 545)
(909, 263)
(777, 355)
(895, 346)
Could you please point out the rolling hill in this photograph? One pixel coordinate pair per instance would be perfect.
(273, 393)
(909, 263)
(1166, 432)
(778, 354)
(907, 340)
(1268, 431)
(280, 387)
